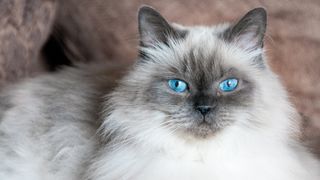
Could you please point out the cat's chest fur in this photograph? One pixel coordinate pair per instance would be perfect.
(232, 158)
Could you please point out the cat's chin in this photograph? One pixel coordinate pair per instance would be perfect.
(200, 131)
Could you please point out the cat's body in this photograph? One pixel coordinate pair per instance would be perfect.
(54, 125)
(63, 126)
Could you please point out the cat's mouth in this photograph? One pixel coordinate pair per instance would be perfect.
(199, 126)
(202, 129)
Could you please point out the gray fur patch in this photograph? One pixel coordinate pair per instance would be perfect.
(255, 21)
(250, 29)
(154, 28)
(5, 104)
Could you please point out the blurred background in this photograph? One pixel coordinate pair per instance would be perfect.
(39, 36)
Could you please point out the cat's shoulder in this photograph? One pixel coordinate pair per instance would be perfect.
(81, 77)
(72, 91)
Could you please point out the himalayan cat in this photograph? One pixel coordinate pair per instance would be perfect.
(200, 103)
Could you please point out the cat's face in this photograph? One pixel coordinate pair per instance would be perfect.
(200, 78)
(200, 95)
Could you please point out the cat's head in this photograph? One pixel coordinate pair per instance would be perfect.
(197, 81)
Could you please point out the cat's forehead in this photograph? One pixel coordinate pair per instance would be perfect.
(201, 52)
(204, 48)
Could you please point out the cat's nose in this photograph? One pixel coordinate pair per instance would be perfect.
(203, 109)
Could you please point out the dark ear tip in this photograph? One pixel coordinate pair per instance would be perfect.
(260, 11)
(145, 9)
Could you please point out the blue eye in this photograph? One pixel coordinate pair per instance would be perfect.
(228, 85)
(177, 85)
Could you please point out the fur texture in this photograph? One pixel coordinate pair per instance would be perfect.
(147, 131)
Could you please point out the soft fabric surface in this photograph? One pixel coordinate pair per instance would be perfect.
(106, 30)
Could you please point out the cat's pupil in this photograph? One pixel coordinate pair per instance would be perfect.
(176, 83)
(229, 83)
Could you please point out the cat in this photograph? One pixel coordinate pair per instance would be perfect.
(199, 103)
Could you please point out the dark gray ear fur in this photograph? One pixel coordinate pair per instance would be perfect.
(153, 28)
(249, 31)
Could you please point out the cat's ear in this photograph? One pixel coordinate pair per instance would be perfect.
(248, 33)
(153, 28)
